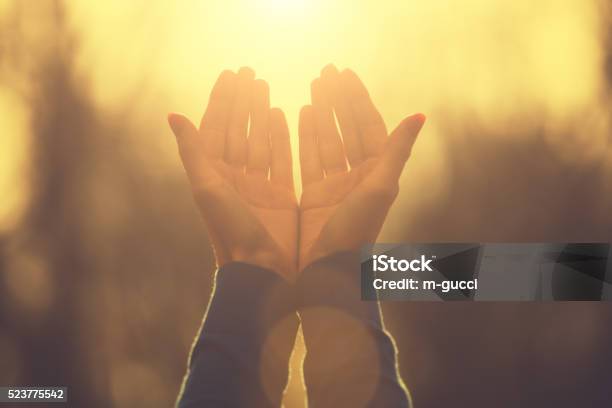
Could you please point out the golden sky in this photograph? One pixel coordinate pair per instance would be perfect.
(493, 61)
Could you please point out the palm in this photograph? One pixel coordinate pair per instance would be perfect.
(322, 198)
(273, 206)
(340, 211)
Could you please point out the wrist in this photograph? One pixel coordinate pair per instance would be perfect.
(318, 253)
(267, 259)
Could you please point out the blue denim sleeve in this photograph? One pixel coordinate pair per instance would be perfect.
(351, 360)
(241, 355)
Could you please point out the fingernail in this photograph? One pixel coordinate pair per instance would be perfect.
(420, 117)
(175, 123)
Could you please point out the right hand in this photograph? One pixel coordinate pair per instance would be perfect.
(344, 208)
(243, 186)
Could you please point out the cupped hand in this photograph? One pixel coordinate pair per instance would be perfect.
(350, 178)
(243, 183)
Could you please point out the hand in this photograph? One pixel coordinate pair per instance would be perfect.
(342, 207)
(243, 186)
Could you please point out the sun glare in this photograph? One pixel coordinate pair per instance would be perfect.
(413, 56)
(287, 6)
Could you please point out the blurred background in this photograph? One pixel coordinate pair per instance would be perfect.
(105, 268)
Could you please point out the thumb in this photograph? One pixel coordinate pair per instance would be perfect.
(398, 148)
(187, 138)
(182, 128)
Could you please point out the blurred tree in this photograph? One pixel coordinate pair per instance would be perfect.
(50, 341)
(506, 186)
(93, 273)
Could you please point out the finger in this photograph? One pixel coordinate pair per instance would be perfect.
(281, 169)
(310, 163)
(213, 126)
(399, 146)
(350, 137)
(259, 141)
(370, 124)
(236, 149)
(190, 145)
(328, 138)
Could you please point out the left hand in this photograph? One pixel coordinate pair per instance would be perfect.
(243, 185)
